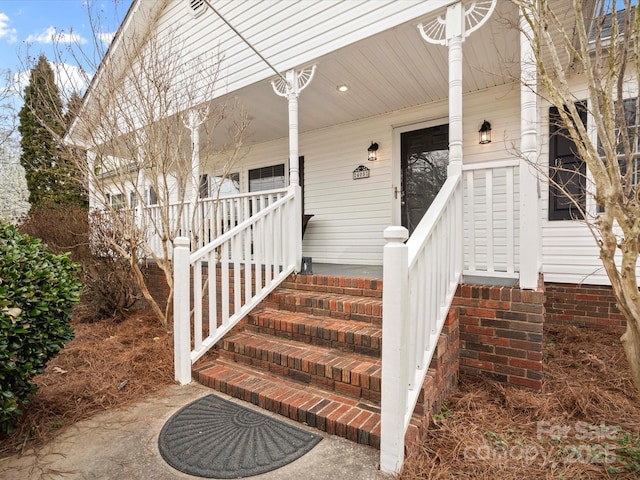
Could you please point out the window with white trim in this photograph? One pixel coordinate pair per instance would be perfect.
(632, 123)
(267, 178)
(226, 186)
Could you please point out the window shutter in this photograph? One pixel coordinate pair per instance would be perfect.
(567, 171)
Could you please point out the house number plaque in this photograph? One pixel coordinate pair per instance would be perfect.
(361, 172)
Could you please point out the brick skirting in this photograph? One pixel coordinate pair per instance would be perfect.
(501, 328)
(582, 305)
(501, 335)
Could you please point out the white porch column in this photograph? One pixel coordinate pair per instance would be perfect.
(451, 29)
(530, 221)
(290, 87)
(195, 118)
(91, 179)
(455, 29)
(292, 98)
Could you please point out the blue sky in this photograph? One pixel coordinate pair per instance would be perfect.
(31, 27)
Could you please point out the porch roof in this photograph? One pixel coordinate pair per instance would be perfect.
(386, 71)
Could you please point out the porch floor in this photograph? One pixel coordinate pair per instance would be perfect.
(343, 270)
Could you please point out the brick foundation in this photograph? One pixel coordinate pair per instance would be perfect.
(441, 381)
(501, 335)
(157, 284)
(582, 305)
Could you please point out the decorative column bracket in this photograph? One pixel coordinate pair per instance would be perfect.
(442, 28)
(290, 87)
(294, 83)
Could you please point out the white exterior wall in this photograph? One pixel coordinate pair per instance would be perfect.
(569, 251)
(350, 215)
(289, 33)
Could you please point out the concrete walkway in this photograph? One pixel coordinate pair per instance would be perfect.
(123, 444)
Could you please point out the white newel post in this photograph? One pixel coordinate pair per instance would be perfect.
(290, 87)
(395, 379)
(530, 222)
(181, 311)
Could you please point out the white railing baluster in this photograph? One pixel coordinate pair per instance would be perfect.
(213, 294)
(247, 266)
(197, 305)
(254, 245)
(510, 223)
(224, 267)
(268, 247)
(258, 258)
(237, 285)
(488, 199)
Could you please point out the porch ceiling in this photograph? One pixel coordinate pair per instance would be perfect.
(390, 71)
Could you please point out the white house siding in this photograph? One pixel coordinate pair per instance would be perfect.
(569, 251)
(351, 215)
(289, 33)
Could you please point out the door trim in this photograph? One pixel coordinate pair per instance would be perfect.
(396, 162)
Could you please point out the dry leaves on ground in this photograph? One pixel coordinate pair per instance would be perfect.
(584, 424)
(108, 364)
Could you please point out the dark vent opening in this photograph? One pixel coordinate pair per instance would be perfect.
(196, 5)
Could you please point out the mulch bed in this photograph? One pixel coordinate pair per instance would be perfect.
(584, 424)
(108, 364)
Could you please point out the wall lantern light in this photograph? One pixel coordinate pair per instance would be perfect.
(485, 133)
(373, 152)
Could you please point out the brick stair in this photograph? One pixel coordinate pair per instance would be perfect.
(311, 352)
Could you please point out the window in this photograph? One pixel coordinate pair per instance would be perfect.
(204, 186)
(226, 186)
(266, 178)
(567, 171)
(632, 122)
(153, 197)
(117, 201)
(133, 200)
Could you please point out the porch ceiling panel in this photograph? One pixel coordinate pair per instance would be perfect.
(390, 71)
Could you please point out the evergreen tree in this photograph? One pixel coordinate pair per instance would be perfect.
(74, 155)
(51, 176)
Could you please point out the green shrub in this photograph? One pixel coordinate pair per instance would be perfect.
(37, 291)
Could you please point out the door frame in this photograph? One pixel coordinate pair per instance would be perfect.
(396, 162)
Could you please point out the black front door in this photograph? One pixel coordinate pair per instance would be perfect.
(424, 160)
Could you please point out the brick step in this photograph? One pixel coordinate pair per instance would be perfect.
(329, 412)
(349, 374)
(342, 306)
(352, 336)
(361, 287)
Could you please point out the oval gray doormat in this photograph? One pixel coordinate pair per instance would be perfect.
(215, 438)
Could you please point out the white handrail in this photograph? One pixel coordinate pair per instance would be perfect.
(420, 280)
(212, 217)
(230, 276)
